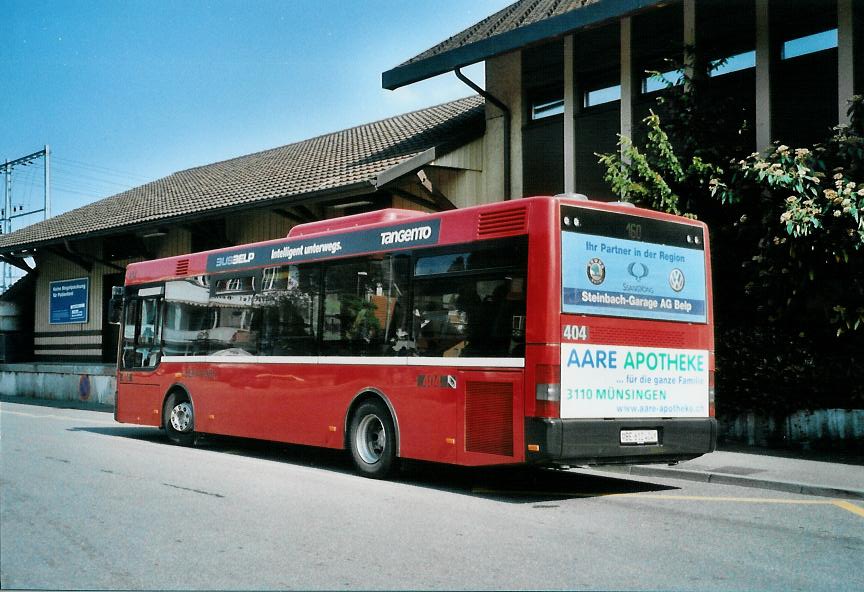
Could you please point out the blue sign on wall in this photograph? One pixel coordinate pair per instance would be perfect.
(68, 302)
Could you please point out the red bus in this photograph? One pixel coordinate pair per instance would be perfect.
(548, 330)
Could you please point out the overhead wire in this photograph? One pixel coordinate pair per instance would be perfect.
(96, 167)
(73, 177)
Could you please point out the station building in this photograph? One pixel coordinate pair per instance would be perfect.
(563, 79)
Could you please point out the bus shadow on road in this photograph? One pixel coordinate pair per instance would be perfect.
(294, 454)
(512, 484)
(524, 485)
(144, 434)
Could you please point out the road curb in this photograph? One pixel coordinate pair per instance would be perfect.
(727, 479)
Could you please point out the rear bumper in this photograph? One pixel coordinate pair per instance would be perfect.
(597, 441)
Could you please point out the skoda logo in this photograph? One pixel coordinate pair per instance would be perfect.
(637, 270)
(596, 271)
(676, 280)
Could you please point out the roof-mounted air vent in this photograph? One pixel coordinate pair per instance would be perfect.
(500, 222)
(571, 195)
(357, 220)
(182, 267)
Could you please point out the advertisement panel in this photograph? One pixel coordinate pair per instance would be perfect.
(600, 381)
(69, 301)
(624, 266)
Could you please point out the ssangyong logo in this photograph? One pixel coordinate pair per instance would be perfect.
(406, 235)
(238, 259)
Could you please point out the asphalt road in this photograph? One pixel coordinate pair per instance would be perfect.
(89, 504)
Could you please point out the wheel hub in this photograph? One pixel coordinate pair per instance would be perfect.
(371, 439)
(181, 417)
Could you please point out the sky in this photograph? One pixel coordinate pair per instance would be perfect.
(127, 92)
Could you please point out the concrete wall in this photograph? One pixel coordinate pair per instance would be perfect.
(818, 428)
(504, 82)
(94, 383)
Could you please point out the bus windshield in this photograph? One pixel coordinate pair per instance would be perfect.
(619, 265)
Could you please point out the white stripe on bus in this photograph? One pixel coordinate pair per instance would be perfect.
(351, 360)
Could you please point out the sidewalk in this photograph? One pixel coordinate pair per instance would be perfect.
(59, 403)
(839, 475)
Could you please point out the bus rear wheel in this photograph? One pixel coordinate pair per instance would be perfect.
(372, 439)
(179, 419)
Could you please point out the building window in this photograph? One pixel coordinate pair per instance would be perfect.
(809, 44)
(543, 140)
(655, 81)
(546, 108)
(601, 96)
(733, 63)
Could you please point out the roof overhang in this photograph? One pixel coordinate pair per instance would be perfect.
(406, 167)
(592, 14)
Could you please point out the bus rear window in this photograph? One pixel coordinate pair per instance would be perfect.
(622, 265)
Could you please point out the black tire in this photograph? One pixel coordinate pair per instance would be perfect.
(179, 419)
(372, 440)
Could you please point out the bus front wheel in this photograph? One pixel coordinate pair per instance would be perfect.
(179, 418)
(372, 438)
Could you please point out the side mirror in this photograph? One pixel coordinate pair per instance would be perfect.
(115, 305)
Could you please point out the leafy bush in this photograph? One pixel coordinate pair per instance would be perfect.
(787, 232)
(810, 259)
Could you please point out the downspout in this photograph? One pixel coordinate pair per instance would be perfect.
(507, 116)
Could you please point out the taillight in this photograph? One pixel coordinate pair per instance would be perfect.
(548, 380)
(711, 412)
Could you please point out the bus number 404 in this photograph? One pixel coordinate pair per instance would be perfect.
(576, 332)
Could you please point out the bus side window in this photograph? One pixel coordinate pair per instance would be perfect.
(365, 307)
(188, 317)
(287, 311)
(472, 303)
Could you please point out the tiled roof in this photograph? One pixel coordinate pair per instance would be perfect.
(518, 14)
(326, 164)
(520, 24)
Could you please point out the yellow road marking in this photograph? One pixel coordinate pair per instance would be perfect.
(696, 498)
(849, 506)
(855, 509)
(740, 500)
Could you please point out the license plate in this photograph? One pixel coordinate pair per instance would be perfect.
(639, 437)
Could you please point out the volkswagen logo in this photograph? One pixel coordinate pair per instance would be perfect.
(676, 279)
